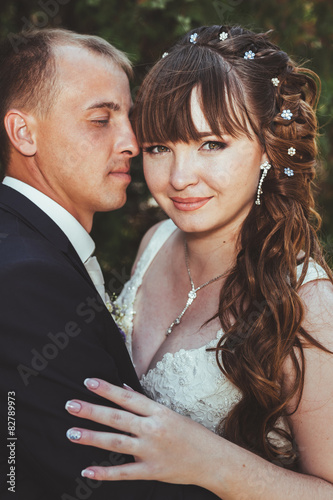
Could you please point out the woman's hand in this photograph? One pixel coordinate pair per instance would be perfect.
(171, 448)
(165, 445)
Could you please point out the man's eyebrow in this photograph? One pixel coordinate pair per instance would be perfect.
(109, 105)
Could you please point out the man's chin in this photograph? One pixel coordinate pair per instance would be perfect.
(113, 205)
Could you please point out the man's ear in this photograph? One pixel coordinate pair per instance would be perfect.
(20, 128)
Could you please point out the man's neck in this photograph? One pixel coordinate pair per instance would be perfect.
(39, 183)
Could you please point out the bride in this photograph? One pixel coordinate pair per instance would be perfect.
(228, 313)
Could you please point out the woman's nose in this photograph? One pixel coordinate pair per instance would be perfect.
(183, 172)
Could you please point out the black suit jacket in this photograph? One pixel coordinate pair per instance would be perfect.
(55, 332)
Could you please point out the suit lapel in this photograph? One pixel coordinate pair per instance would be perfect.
(19, 205)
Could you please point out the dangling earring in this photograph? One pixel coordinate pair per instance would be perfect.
(265, 167)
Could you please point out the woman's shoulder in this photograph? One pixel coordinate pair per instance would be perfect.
(317, 298)
(315, 272)
(316, 293)
(311, 418)
(159, 232)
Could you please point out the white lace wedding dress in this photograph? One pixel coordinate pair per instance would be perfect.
(188, 381)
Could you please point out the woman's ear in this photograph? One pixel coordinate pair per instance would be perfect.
(264, 158)
(21, 132)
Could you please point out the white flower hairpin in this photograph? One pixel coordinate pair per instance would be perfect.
(194, 37)
(286, 114)
(249, 55)
(289, 171)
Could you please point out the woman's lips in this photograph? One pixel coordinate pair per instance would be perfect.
(188, 204)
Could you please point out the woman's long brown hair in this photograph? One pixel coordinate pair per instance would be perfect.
(260, 310)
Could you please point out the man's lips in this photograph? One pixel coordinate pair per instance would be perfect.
(122, 173)
(188, 204)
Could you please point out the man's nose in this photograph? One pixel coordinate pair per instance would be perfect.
(127, 141)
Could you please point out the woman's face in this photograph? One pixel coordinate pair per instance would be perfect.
(206, 185)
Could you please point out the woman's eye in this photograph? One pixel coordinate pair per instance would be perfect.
(155, 149)
(213, 146)
(101, 122)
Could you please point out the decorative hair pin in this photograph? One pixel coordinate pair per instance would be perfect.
(194, 37)
(275, 82)
(165, 54)
(291, 151)
(286, 114)
(223, 36)
(289, 171)
(249, 55)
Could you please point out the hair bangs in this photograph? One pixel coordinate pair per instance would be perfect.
(223, 102)
(162, 111)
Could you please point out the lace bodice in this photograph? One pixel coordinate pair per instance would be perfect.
(188, 381)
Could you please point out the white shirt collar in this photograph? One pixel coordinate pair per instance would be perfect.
(77, 235)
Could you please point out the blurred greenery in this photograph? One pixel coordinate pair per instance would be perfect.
(144, 29)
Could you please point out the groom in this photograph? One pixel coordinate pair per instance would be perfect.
(65, 145)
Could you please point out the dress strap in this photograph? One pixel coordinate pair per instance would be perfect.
(126, 299)
(162, 233)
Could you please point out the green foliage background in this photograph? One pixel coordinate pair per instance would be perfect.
(145, 29)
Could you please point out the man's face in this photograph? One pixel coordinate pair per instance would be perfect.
(85, 143)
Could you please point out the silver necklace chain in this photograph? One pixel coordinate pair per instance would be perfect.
(192, 294)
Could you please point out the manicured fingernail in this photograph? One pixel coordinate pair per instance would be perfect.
(73, 434)
(128, 388)
(73, 406)
(91, 383)
(88, 473)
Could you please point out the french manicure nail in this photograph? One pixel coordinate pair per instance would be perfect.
(91, 383)
(73, 434)
(73, 406)
(128, 388)
(88, 473)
